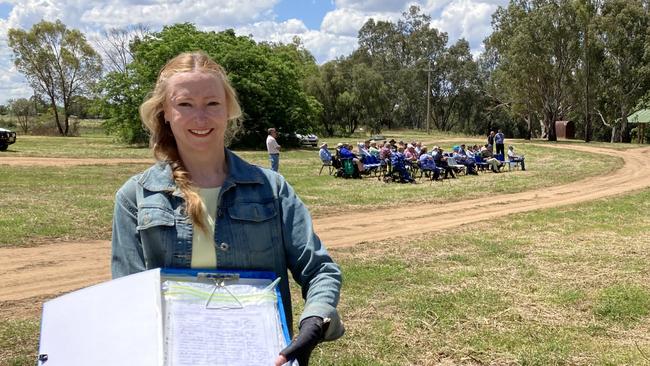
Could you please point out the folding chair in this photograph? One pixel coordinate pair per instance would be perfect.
(329, 166)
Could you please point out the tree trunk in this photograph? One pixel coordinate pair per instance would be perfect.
(67, 123)
(625, 133)
(529, 126)
(56, 117)
(549, 120)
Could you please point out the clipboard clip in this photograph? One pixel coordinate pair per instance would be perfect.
(207, 276)
(220, 282)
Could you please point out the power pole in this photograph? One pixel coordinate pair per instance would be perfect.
(428, 94)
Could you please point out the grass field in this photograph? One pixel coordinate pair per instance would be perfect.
(566, 286)
(550, 287)
(47, 202)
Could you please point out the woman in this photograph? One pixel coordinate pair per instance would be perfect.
(201, 206)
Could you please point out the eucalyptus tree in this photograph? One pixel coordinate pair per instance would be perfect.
(454, 86)
(537, 48)
(58, 63)
(623, 31)
(403, 53)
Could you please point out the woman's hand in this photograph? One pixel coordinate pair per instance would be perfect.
(311, 332)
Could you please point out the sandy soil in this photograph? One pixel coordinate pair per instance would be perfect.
(44, 271)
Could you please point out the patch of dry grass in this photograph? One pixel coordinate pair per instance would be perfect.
(559, 286)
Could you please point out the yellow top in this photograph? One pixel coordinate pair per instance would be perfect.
(204, 254)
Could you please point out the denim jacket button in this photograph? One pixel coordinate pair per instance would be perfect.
(147, 219)
(224, 246)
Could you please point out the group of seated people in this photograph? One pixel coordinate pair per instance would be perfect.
(403, 157)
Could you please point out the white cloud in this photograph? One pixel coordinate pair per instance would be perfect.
(467, 19)
(343, 21)
(274, 31)
(323, 45)
(337, 35)
(221, 14)
(374, 5)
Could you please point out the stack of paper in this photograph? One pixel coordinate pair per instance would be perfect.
(206, 324)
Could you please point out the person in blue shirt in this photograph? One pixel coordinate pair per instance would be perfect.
(161, 216)
(398, 164)
(324, 153)
(499, 141)
(345, 152)
(428, 164)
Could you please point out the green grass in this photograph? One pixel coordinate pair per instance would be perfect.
(562, 294)
(48, 202)
(86, 146)
(64, 203)
(623, 303)
(18, 341)
(560, 286)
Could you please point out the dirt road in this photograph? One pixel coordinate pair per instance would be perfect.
(48, 270)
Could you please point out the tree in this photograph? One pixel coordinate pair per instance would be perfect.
(537, 48)
(623, 33)
(268, 79)
(23, 109)
(58, 63)
(116, 46)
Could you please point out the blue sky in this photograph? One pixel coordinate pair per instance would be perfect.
(4, 10)
(327, 28)
(311, 12)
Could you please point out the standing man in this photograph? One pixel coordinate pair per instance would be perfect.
(490, 141)
(499, 140)
(273, 149)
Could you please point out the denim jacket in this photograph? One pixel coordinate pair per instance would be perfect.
(261, 225)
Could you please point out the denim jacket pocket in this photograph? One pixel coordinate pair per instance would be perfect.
(156, 226)
(254, 227)
(151, 216)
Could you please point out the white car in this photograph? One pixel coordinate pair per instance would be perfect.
(309, 139)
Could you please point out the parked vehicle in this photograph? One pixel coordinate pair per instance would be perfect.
(7, 138)
(309, 139)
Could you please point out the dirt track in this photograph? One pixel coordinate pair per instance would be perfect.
(48, 270)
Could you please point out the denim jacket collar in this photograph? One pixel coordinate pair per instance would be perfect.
(159, 178)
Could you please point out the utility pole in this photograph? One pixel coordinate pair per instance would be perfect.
(428, 94)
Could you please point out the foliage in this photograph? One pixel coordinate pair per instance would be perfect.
(58, 63)
(267, 78)
(24, 110)
(577, 60)
(399, 68)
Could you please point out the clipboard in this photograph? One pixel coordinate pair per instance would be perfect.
(123, 321)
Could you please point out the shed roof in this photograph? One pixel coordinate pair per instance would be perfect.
(641, 116)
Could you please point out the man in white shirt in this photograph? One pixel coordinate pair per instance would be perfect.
(516, 158)
(273, 149)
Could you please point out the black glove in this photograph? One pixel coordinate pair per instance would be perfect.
(311, 332)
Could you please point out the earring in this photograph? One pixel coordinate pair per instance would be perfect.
(166, 122)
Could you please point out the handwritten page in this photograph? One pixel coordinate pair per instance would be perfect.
(241, 325)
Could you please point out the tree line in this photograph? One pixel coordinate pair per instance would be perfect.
(545, 60)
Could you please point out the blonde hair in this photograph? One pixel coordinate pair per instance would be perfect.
(162, 139)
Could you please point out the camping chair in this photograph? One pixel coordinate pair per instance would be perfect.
(502, 161)
(329, 166)
(459, 168)
(371, 165)
(514, 164)
(348, 169)
(399, 172)
(480, 163)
